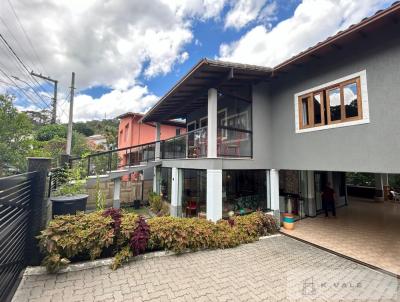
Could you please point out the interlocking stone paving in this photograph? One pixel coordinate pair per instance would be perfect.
(273, 269)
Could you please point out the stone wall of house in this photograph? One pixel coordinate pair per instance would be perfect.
(129, 192)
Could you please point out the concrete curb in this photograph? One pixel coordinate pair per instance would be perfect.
(76, 267)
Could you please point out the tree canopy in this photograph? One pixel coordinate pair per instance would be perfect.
(15, 136)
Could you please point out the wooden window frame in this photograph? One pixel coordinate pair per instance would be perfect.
(325, 105)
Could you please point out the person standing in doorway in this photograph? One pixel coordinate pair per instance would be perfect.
(328, 199)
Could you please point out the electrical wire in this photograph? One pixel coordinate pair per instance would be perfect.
(26, 36)
(24, 66)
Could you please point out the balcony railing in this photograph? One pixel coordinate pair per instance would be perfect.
(231, 142)
(192, 144)
(234, 142)
(101, 162)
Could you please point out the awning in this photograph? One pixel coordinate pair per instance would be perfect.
(190, 93)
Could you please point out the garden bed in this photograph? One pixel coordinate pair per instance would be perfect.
(123, 235)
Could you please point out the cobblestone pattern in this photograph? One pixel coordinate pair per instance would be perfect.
(268, 270)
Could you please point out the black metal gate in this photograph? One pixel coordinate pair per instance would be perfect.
(15, 235)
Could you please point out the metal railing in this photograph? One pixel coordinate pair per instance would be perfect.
(231, 142)
(192, 144)
(15, 229)
(101, 162)
(234, 142)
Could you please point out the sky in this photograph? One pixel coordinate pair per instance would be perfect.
(128, 54)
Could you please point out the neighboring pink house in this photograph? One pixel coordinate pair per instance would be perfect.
(133, 133)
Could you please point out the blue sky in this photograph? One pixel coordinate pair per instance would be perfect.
(128, 54)
(209, 35)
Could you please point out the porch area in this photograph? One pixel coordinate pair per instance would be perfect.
(365, 230)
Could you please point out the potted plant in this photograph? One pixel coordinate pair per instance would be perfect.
(70, 197)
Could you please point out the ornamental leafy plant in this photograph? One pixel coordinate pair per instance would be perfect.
(69, 236)
(74, 183)
(91, 235)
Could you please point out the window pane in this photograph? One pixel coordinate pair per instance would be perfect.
(306, 116)
(317, 108)
(243, 191)
(334, 103)
(350, 100)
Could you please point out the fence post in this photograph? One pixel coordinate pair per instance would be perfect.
(64, 160)
(38, 217)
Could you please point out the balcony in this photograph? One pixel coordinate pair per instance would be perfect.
(192, 144)
(231, 142)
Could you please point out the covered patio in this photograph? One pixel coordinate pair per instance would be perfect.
(364, 230)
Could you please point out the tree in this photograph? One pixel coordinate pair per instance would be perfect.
(48, 132)
(83, 128)
(15, 136)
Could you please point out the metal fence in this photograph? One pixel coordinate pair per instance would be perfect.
(15, 233)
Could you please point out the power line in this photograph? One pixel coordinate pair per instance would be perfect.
(26, 36)
(20, 89)
(22, 63)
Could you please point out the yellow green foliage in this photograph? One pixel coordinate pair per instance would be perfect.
(71, 235)
(90, 234)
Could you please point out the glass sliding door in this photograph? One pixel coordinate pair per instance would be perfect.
(166, 183)
(244, 191)
(194, 193)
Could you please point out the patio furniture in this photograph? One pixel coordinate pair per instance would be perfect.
(395, 196)
(191, 209)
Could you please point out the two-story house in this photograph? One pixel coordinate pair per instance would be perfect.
(252, 130)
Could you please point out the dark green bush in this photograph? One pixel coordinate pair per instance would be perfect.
(91, 234)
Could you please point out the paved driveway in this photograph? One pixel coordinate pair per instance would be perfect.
(273, 269)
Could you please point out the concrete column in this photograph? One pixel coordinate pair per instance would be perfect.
(156, 179)
(214, 195)
(158, 145)
(212, 123)
(117, 192)
(176, 192)
(274, 188)
(379, 188)
(268, 186)
(309, 198)
(40, 206)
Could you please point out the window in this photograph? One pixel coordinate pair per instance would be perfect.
(126, 133)
(203, 122)
(177, 131)
(337, 103)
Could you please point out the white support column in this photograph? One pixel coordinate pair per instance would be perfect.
(274, 187)
(309, 202)
(156, 180)
(176, 194)
(158, 146)
(214, 195)
(117, 192)
(268, 186)
(212, 123)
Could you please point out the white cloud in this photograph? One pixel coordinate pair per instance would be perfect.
(110, 105)
(313, 21)
(106, 43)
(245, 11)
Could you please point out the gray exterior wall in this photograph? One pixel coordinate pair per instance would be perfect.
(373, 147)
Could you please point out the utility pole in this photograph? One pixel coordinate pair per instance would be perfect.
(71, 113)
(54, 105)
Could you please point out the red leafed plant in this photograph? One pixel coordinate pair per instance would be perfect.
(140, 237)
(116, 215)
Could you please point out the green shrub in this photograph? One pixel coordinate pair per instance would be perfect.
(128, 234)
(157, 205)
(72, 235)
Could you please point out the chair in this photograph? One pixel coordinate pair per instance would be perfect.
(395, 196)
(191, 209)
